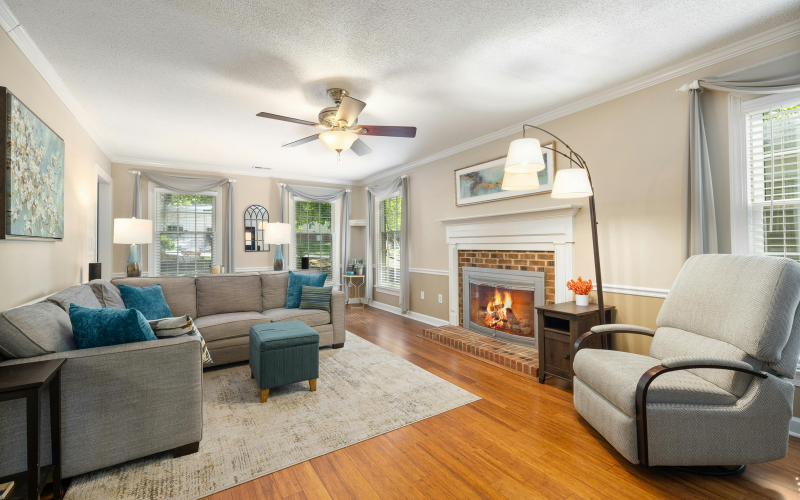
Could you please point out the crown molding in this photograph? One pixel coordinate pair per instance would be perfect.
(29, 48)
(747, 45)
(275, 174)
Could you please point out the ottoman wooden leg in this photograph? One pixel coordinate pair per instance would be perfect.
(251, 374)
(264, 395)
(313, 384)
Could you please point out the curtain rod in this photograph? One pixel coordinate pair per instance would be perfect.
(689, 86)
(139, 172)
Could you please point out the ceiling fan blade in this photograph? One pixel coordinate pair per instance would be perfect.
(349, 109)
(286, 119)
(360, 148)
(301, 141)
(409, 132)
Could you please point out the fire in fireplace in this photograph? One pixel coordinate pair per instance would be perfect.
(502, 303)
(502, 308)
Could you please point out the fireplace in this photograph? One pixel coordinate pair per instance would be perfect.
(501, 303)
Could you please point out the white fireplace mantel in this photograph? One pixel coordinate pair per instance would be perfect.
(545, 229)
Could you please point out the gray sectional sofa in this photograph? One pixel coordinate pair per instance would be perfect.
(129, 401)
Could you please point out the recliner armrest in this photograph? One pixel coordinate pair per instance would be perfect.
(620, 328)
(684, 361)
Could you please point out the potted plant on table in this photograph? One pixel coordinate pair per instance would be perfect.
(581, 289)
(358, 268)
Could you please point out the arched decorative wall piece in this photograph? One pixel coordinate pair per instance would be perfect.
(256, 218)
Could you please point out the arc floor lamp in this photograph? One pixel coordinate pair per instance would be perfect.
(525, 160)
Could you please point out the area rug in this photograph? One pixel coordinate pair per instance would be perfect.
(363, 391)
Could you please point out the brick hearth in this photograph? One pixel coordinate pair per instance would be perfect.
(517, 260)
(524, 360)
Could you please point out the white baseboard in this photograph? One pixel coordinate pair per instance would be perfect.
(422, 318)
(794, 427)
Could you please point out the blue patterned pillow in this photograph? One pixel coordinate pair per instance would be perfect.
(294, 291)
(93, 327)
(149, 300)
(316, 297)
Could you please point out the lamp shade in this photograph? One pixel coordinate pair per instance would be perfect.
(338, 140)
(524, 156)
(278, 233)
(571, 183)
(520, 182)
(133, 231)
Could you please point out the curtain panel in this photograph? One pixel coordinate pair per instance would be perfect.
(344, 195)
(379, 191)
(701, 224)
(188, 185)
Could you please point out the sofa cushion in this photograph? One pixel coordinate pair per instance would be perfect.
(107, 294)
(311, 317)
(273, 289)
(104, 327)
(614, 375)
(180, 292)
(149, 300)
(227, 325)
(228, 293)
(81, 295)
(34, 330)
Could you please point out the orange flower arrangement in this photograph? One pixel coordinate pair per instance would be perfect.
(580, 287)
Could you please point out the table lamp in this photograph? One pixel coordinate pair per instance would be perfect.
(133, 232)
(278, 233)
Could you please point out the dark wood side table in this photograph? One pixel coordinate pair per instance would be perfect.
(560, 325)
(28, 381)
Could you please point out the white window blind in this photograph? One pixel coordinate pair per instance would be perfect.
(774, 180)
(388, 242)
(314, 235)
(185, 234)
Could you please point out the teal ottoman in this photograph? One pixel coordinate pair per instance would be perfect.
(283, 353)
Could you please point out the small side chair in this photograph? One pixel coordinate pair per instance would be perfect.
(715, 391)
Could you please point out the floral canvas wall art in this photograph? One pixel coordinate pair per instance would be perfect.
(33, 184)
(482, 183)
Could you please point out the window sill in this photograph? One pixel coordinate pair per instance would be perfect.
(390, 291)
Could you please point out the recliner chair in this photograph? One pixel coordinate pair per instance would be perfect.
(715, 389)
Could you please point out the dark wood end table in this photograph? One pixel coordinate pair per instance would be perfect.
(560, 325)
(27, 381)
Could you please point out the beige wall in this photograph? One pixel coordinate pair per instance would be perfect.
(635, 146)
(249, 190)
(31, 269)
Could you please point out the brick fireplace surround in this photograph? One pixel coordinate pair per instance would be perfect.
(517, 260)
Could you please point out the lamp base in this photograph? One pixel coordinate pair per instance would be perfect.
(277, 264)
(134, 270)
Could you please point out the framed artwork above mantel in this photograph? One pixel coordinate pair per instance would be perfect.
(32, 174)
(481, 183)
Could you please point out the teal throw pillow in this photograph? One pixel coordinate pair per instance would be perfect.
(316, 297)
(103, 327)
(149, 300)
(294, 291)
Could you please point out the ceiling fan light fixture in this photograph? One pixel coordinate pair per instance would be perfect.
(338, 140)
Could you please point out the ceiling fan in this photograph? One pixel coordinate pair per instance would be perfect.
(341, 121)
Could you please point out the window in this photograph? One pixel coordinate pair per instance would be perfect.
(388, 242)
(314, 236)
(773, 178)
(185, 227)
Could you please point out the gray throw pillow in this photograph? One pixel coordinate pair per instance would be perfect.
(35, 330)
(107, 294)
(80, 295)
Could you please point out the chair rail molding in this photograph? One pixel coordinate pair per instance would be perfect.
(550, 229)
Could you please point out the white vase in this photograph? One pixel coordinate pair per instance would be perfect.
(582, 300)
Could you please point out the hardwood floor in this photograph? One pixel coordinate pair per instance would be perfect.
(522, 440)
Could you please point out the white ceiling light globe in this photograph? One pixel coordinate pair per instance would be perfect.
(338, 140)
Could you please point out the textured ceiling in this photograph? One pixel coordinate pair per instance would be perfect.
(181, 81)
